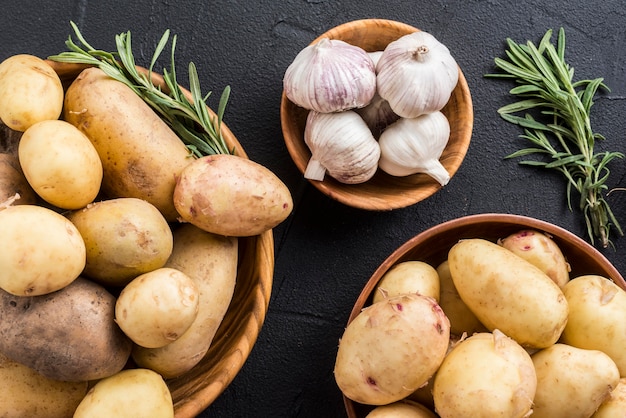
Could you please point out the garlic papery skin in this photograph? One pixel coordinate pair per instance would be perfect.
(330, 76)
(416, 74)
(414, 145)
(341, 145)
(378, 115)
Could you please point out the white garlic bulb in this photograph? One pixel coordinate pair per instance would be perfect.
(330, 76)
(414, 145)
(342, 145)
(416, 74)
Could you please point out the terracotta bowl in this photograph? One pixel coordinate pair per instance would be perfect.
(382, 192)
(433, 244)
(195, 390)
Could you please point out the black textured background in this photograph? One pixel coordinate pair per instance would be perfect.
(325, 251)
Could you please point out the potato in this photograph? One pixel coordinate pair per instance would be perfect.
(231, 196)
(408, 277)
(596, 318)
(41, 251)
(132, 393)
(157, 307)
(540, 250)
(401, 409)
(26, 394)
(486, 375)
(124, 237)
(508, 293)
(13, 182)
(462, 319)
(30, 91)
(60, 164)
(67, 335)
(141, 156)
(211, 262)
(615, 404)
(391, 348)
(572, 382)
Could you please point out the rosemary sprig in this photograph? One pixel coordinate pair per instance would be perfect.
(191, 121)
(565, 140)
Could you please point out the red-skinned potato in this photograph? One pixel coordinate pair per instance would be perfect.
(231, 196)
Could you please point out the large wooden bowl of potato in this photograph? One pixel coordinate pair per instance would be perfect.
(526, 287)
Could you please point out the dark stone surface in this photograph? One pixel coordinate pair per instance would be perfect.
(325, 251)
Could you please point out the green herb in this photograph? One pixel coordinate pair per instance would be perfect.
(566, 140)
(189, 119)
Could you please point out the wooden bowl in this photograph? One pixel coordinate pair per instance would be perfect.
(382, 192)
(195, 390)
(432, 246)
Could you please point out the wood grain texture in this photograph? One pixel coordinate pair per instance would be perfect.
(433, 244)
(382, 192)
(195, 390)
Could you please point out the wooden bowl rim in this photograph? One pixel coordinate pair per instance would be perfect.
(359, 195)
(193, 394)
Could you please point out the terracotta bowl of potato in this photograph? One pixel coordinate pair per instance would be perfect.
(382, 192)
(196, 389)
(432, 246)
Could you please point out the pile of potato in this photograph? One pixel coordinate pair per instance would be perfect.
(497, 329)
(119, 249)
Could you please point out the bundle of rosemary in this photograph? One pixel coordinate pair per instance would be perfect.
(560, 132)
(188, 118)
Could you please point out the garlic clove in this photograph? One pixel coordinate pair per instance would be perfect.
(330, 76)
(342, 145)
(416, 74)
(414, 145)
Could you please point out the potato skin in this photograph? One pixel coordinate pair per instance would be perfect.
(210, 260)
(231, 196)
(41, 250)
(508, 293)
(572, 382)
(408, 277)
(615, 404)
(130, 393)
(26, 394)
(391, 349)
(13, 181)
(486, 375)
(30, 91)
(124, 237)
(68, 335)
(404, 409)
(141, 156)
(596, 318)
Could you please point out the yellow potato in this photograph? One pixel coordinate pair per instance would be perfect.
(232, 196)
(26, 394)
(615, 405)
(30, 91)
(211, 261)
(486, 375)
(60, 164)
(391, 348)
(132, 393)
(508, 293)
(540, 250)
(141, 156)
(462, 319)
(572, 382)
(41, 251)
(157, 307)
(124, 237)
(408, 277)
(596, 318)
(401, 409)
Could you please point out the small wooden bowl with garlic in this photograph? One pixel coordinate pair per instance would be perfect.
(373, 175)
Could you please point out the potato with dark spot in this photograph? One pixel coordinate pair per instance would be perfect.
(67, 335)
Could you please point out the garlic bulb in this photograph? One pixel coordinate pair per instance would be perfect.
(414, 145)
(416, 74)
(342, 145)
(330, 76)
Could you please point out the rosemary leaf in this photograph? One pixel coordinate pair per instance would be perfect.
(561, 130)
